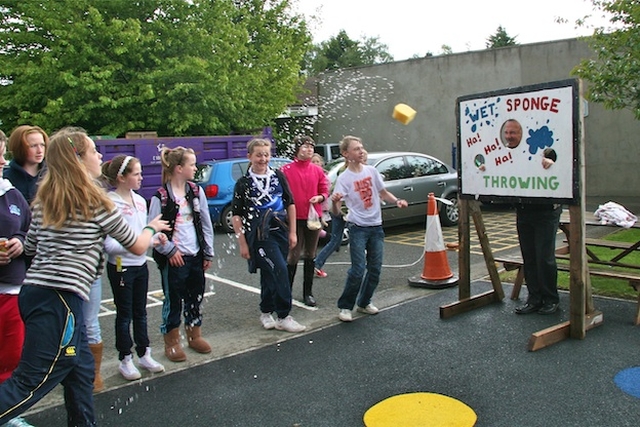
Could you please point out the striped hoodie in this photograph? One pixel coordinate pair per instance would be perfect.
(72, 257)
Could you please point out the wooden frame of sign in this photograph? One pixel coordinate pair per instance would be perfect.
(582, 316)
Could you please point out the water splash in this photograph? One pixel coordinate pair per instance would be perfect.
(342, 89)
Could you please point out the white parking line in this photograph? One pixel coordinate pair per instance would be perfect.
(251, 289)
(107, 304)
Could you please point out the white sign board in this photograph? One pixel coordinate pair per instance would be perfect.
(519, 144)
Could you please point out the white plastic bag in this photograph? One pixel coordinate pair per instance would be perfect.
(313, 220)
(614, 213)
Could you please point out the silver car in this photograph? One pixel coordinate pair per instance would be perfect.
(412, 176)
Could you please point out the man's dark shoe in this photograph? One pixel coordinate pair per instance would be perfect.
(528, 308)
(548, 309)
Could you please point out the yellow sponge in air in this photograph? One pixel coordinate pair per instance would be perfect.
(403, 113)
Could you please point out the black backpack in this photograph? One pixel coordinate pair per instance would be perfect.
(169, 210)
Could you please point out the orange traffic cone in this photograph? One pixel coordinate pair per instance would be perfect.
(436, 273)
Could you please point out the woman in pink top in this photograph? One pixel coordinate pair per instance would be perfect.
(310, 188)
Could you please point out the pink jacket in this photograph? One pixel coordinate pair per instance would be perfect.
(306, 180)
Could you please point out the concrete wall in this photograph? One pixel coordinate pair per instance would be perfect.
(359, 101)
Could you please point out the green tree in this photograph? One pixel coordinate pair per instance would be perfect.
(372, 51)
(500, 39)
(614, 74)
(342, 52)
(177, 67)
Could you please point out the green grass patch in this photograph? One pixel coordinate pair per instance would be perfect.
(604, 286)
(630, 235)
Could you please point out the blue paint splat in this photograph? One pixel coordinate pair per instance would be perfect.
(628, 380)
(467, 113)
(539, 139)
(481, 114)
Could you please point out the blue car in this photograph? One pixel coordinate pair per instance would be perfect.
(218, 178)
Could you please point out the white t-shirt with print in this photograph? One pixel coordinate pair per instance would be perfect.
(361, 195)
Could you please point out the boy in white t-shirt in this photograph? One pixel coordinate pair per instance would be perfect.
(361, 187)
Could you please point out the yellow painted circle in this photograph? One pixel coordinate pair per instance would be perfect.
(420, 409)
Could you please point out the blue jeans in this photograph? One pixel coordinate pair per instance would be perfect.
(130, 297)
(91, 310)
(55, 352)
(337, 227)
(182, 284)
(271, 258)
(366, 247)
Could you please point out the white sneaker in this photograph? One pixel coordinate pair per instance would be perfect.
(345, 315)
(289, 325)
(149, 363)
(17, 422)
(128, 369)
(267, 321)
(369, 309)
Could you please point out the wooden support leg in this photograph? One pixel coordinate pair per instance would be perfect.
(636, 285)
(517, 284)
(548, 336)
(474, 208)
(561, 331)
(469, 304)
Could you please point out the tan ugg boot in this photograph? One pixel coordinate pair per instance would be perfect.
(172, 347)
(196, 341)
(96, 350)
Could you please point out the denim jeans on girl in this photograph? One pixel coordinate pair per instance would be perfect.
(180, 285)
(91, 310)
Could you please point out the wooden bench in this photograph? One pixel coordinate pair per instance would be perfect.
(596, 261)
(563, 252)
(515, 263)
(607, 243)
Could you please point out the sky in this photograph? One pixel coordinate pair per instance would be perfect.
(415, 27)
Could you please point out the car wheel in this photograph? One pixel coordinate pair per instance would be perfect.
(345, 237)
(226, 219)
(449, 213)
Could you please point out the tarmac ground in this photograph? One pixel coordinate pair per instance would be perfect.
(333, 372)
(331, 376)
